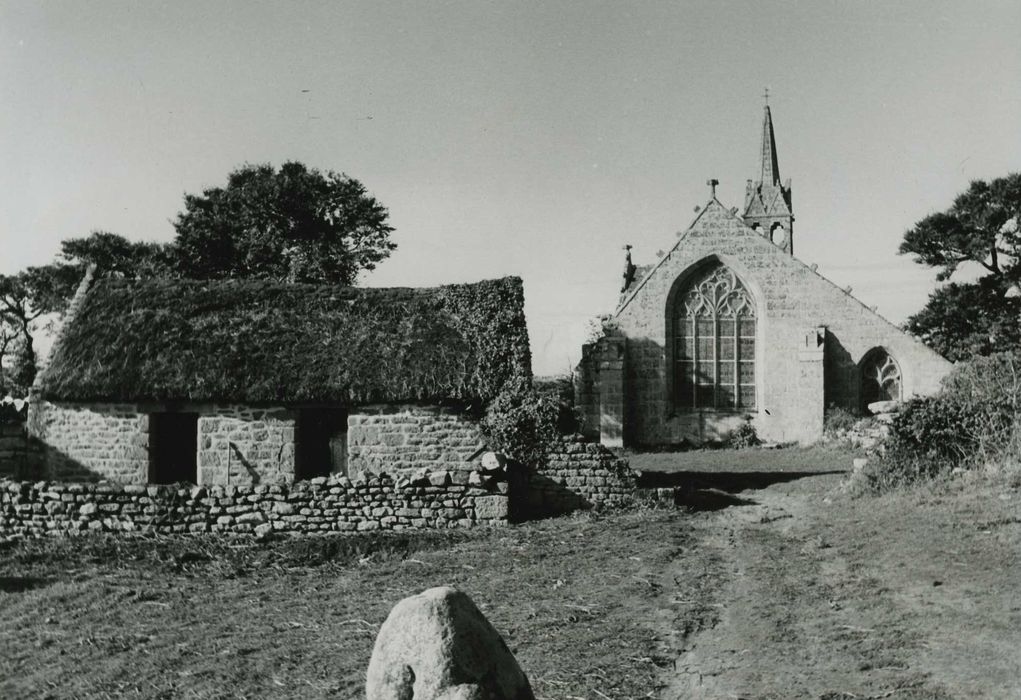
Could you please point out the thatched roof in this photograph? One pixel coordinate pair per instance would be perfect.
(264, 342)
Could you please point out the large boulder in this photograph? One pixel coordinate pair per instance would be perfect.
(437, 645)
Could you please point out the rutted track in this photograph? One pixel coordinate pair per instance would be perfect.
(778, 595)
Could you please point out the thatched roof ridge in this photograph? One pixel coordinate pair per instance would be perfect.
(264, 342)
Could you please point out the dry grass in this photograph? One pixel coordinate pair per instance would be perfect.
(575, 598)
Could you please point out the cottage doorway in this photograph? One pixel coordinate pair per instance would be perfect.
(173, 448)
(321, 443)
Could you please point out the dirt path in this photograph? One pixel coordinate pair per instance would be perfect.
(789, 593)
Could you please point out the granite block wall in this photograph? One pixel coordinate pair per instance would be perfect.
(792, 301)
(240, 444)
(398, 439)
(92, 441)
(20, 457)
(244, 445)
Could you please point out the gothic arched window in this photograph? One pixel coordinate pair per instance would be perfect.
(880, 377)
(714, 343)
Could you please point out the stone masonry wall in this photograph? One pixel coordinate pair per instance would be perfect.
(400, 439)
(92, 441)
(241, 445)
(578, 475)
(792, 300)
(20, 458)
(111, 441)
(321, 505)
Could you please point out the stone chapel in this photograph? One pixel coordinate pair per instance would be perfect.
(729, 327)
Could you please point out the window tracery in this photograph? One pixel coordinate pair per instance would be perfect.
(714, 343)
(881, 380)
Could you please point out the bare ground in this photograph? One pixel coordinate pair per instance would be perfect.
(764, 582)
(789, 589)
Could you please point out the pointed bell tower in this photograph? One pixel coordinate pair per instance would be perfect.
(767, 202)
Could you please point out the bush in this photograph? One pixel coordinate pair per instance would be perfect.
(559, 386)
(974, 420)
(743, 437)
(899, 466)
(838, 420)
(524, 423)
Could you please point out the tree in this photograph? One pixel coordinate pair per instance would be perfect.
(30, 295)
(293, 224)
(963, 319)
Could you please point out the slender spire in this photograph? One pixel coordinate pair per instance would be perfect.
(767, 204)
(770, 166)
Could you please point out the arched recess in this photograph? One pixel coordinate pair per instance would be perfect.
(713, 349)
(881, 378)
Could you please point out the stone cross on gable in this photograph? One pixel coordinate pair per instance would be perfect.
(712, 185)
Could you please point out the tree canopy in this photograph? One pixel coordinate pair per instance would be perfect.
(35, 292)
(982, 226)
(294, 224)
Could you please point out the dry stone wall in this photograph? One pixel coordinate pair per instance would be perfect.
(401, 439)
(322, 505)
(578, 475)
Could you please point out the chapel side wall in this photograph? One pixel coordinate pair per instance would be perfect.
(92, 441)
(396, 439)
(792, 301)
(244, 445)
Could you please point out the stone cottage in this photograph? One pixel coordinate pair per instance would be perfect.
(729, 327)
(238, 382)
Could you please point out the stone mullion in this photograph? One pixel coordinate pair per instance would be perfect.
(716, 362)
(737, 364)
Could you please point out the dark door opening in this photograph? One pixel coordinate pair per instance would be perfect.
(173, 448)
(321, 443)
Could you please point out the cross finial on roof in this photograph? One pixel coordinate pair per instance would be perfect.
(713, 182)
(766, 95)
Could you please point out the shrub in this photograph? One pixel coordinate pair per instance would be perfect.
(743, 437)
(559, 386)
(838, 420)
(524, 423)
(975, 419)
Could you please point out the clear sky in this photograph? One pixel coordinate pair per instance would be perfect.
(521, 138)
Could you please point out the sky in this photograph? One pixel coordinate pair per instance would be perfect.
(526, 138)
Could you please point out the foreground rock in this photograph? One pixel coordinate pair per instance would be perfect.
(437, 645)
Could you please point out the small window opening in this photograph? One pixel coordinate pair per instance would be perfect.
(173, 448)
(778, 234)
(321, 443)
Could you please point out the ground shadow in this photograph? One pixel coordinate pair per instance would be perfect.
(697, 499)
(727, 482)
(17, 584)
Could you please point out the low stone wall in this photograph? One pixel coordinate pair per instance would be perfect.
(577, 475)
(400, 439)
(322, 505)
